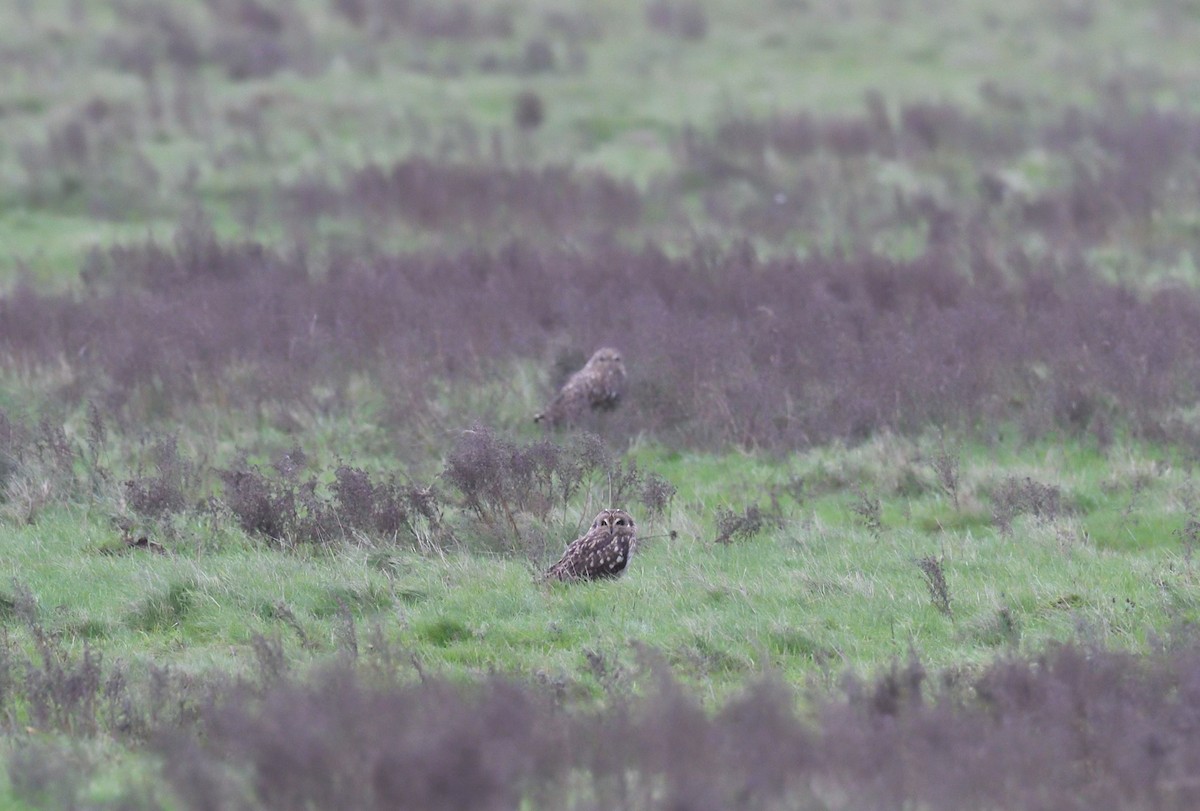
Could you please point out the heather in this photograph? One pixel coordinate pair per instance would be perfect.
(726, 348)
(1075, 727)
(1020, 734)
(908, 303)
(322, 122)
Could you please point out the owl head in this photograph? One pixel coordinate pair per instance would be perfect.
(614, 521)
(605, 357)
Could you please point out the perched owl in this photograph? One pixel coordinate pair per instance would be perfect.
(603, 551)
(597, 387)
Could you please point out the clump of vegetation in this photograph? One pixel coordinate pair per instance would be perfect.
(1016, 496)
(246, 324)
(500, 480)
(528, 110)
(656, 494)
(285, 508)
(1189, 535)
(469, 197)
(291, 509)
(497, 478)
(167, 490)
(685, 19)
(946, 464)
(935, 580)
(741, 526)
(1019, 733)
(40, 465)
(388, 508)
(869, 510)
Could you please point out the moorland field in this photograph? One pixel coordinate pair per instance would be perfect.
(909, 301)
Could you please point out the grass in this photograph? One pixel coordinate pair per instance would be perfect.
(809, 562)
(814, 592)
(637, 87)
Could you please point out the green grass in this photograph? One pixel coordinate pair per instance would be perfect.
(622, 110)
(815, 593)
(819, 591)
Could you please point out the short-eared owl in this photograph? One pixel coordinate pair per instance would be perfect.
(603, 551)
(598, 386)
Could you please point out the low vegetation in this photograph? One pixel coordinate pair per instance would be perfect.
(910, 313)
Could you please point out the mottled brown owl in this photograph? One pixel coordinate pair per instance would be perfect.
(603, 551)
(598, 386)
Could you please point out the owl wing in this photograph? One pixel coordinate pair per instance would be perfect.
(595, 555)
(571, 400)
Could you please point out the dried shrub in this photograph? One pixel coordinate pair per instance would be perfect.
(1114, 168)
(76, 693)
(935, 126)
(43, 775)
(538, 57)
(455, 196)
(388, 508)
(656, 494)
(255, 503)
(289, 507)
(284, 508)
(354, 11)
(172, 486)
(426, 19)
(40, 465)
(513, 488)
(867, 344)
(734, 526)
(498, 478)
(1022, 732)
(1189, 535)
(685, 19)
(528, 111)
(946, 465)
(152, 34)
(352, 745)
(869, 510)
(247, 39)
(1016, 496)
(91, 159)
(691, 20)
(250, 54)
(495, 476)
(935, 580)
(14, 440)
(624, 480)
(459, 21)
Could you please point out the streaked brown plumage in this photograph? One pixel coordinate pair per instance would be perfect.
(598, 386)
(603, 551)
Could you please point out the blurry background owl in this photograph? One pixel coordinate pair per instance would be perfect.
(603, 551)
(598, 386)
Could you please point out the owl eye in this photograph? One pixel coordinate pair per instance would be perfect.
(620, 522)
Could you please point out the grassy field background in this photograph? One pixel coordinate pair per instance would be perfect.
(909, 301)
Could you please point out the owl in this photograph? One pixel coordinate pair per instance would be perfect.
(603, 551)
(597, 387)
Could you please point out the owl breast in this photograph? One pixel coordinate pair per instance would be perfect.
(604, 551)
